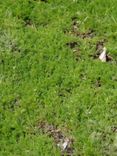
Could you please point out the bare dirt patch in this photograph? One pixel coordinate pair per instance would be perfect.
(62, 141)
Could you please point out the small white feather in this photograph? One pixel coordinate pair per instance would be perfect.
(102, 56)
(65, 144)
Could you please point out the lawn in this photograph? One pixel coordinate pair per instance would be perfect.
(56, 96)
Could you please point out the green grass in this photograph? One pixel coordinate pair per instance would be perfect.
(41, 80)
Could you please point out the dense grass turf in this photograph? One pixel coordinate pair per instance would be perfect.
(43, 79)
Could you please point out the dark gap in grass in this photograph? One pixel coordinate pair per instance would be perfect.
(75, 30)
(109, 58)
(83, 76)
(98, 49)
(74, 18)
(76, 53)
(2, 61)
(41, 1)
(25, 14)
(15, 48)
(64, 93)
(83, 35)
(12, 128)
(65, 30)
(98, 82)
(44, 1)
(72, 44)
(80, 112)
(88, 34)
(114, 129)
(27, 21)
(75, 24)
(100, 45)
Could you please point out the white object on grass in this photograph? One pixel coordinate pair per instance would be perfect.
(102, 56)
(63, 145)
